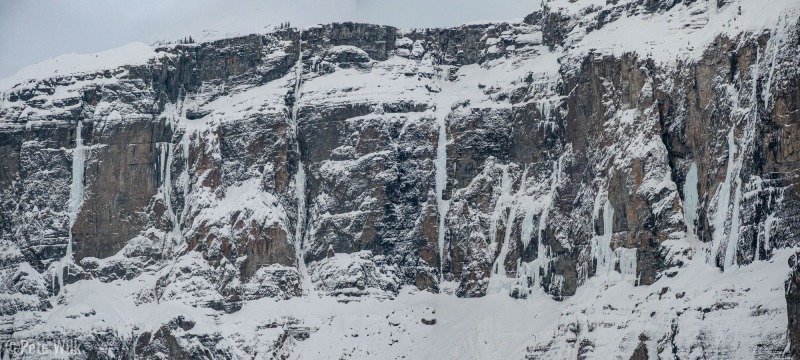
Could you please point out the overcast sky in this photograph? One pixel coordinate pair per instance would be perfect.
(35, 30)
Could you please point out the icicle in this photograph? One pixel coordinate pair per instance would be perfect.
(500, 281)
(754, 88)
(526, 230)
(542, 260)
(167, 157)
(733, 238)
(300, 179)
(168, 180)
(774, 46)
(690, 198)
(602, 254)
(505, 192)
(76, 188)
(531, 273)
(544, 106)
(441, 183)
(76, 192)
(723, 201)
(767, 232)
(627, 263)
(185, 179)
(555, 178)
(558, 283)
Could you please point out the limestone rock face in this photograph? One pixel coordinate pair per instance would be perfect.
(358, 162)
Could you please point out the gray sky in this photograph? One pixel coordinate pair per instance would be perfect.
(35, 30)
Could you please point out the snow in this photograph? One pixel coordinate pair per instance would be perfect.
(335, 51)
(701, 301)
(354, 275)
(242, 103)
(135, 53)
(247, 195)
(381, 83)
(683, 32)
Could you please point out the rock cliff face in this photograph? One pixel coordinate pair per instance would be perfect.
(640, 192)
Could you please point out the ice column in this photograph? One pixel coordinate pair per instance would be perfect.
(500, 281)
(627, 263)
(601, 251)
(441, 183)
(300, 178)
(690, 197)
(75, 200)
(723, 201)
(167, 157)
(541, 261)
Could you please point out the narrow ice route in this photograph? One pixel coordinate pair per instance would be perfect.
(167, 158)
(186, 182)
(735, 167)
(441, 180)
(602, 254)
(75, 201)
(733, 238)
(767, 230)
(300, 180)
(690, 197)
(444, 101)
(627, 263)
(499, 281)
(503, 198)
(774, 47)
(534, 269)
(690, 200)
(542, 258)
(723, 202)
(499, 205)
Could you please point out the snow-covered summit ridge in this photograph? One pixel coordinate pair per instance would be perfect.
(664, 30)
(135, 53)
